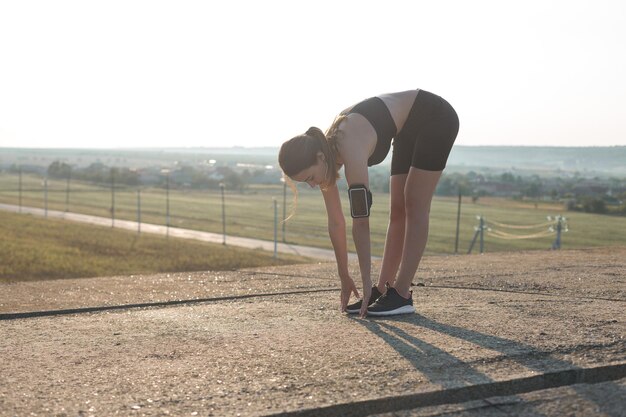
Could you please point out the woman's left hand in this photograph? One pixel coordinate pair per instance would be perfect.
(367, 293)
(347, 289)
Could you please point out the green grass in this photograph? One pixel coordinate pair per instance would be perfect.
(585, 230)
(252, 215)
(34, 248)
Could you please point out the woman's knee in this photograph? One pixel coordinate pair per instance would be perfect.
(417, 209)
(397, 212)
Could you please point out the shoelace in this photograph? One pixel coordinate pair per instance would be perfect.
(383, 298)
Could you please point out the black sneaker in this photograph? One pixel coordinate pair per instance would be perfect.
(392, 303)
(356, 307)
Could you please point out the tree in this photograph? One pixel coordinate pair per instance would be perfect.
(507, 177)
(533, 189)
(59, 169)
(594, 205)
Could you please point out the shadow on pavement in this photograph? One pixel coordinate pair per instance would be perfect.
(456, 373)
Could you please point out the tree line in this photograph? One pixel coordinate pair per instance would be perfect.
(577, 193)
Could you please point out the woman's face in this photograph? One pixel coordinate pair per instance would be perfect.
(315, 174)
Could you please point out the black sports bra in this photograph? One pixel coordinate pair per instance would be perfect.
(376, 112)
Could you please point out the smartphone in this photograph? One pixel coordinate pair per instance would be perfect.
(359, 202)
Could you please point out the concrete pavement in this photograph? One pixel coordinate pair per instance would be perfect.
(533, 333)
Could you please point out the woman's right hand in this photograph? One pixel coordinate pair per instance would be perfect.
(347, 288)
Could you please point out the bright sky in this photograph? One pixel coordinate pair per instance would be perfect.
(103, 74)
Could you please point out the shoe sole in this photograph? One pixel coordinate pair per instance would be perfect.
(357, 310)
(399, 310)
(353, 311)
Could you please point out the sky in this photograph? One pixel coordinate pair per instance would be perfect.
(221, 73)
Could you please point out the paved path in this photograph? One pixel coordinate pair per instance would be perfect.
(308, 251)
(532, 334)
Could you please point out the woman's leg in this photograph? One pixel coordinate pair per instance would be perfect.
(418, 193)
(395, 232)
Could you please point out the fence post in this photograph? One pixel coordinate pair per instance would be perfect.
(473, 241)
(223, 215)
(284, 208)
(45, 196)
(477, 231)
(112, 197)
(559, 227)
(67, 191)
(458, 224)
(275, 228)
(167, 203)
(19, 187)
(138, 211)
(482, 233)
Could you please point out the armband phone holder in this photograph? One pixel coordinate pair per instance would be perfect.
(360, 201)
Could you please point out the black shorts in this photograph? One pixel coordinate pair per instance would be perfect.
(427, 137)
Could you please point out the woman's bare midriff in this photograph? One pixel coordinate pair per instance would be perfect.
(399, 105)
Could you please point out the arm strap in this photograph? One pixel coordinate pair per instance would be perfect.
(360, 200)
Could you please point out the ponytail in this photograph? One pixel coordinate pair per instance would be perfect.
(329, 149)
(301, 151)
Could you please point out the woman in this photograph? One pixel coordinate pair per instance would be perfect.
(423, 127)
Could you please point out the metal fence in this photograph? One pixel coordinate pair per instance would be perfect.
(259, 213)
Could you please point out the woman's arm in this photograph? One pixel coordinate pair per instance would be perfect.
(361, 236)
(355, 167)
(337, 233)
(337, 229)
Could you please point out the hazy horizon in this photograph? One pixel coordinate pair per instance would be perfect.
(138, 74)
(275, 147)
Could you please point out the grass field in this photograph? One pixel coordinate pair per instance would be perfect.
(252, 215)
(33, 248)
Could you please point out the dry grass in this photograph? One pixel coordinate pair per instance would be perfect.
(33, 248)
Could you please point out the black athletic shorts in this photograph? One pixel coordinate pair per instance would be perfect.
(427, 137)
